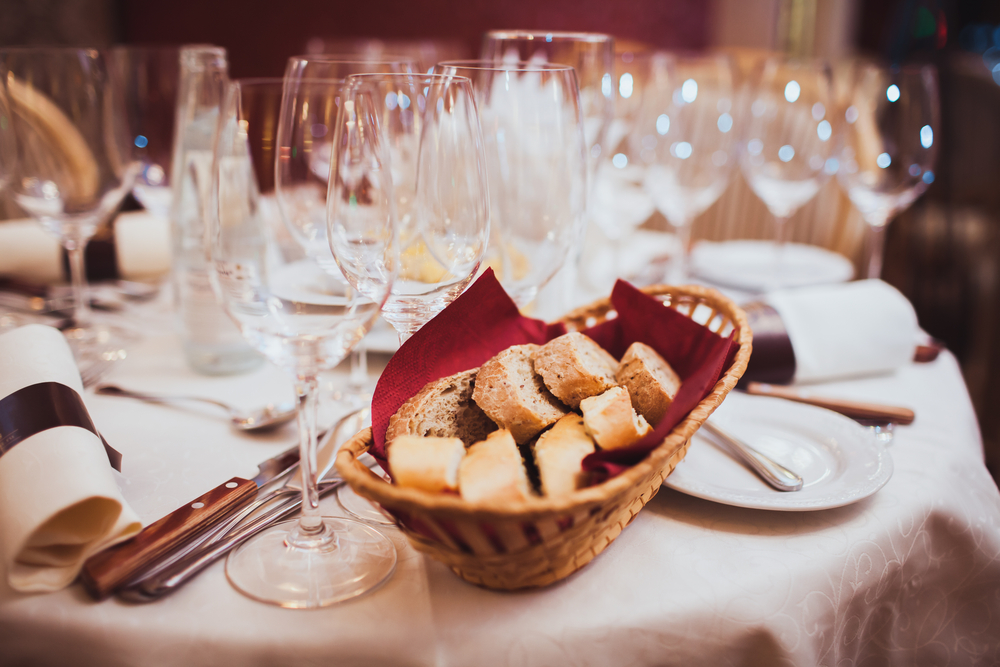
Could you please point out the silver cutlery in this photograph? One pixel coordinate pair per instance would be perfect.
(772, 472)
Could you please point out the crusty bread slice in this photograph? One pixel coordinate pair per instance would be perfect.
(493, 471)
(574, 367)
(559, 453)
(514, 396)
(443, 408)
(427, 463)
(611, 421)
(652, 384)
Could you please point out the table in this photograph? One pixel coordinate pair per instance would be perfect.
(908, 576)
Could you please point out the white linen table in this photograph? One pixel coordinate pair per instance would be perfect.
(908, 576)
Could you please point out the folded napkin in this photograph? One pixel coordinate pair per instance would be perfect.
(832, 331)
(138, 248)
(59, 502)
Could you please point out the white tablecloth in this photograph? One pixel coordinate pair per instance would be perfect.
(908, 576)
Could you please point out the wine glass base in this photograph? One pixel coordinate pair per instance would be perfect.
(357, 560)
(361, 508)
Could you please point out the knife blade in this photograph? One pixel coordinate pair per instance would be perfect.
(105, 571)
(852, 409)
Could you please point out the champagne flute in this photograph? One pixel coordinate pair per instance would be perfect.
(73, 165)
(431, 131)
(312, 561)
(889, 147)
(789, 139)
(535, 156)
(685, 137)
(148, 78)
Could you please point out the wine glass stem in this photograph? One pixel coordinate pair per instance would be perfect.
(679, 267)
(876, 246)
(78, 280)
(358, 378)
(781, 237)
(307, 390)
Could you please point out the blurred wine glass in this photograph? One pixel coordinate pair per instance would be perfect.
(535, 156)
(430, 129)
(424, 53)
(73, 164)
(312, 561)
(685, 137)
(788, 141)
(889, 145)
(148, 78)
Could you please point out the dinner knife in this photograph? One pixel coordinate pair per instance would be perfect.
(105, 571)
(852, 409)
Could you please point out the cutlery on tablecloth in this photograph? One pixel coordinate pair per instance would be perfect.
(772, 472)
(105, 571)
(857, 410)
(265, 417)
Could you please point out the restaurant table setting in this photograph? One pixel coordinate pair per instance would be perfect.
(138, 526)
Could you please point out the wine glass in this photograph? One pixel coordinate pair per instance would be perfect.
(430, 128)
(685, 137)
(888, 145)
(535, 156)
(73, 169)
(312, 561)
(788, 141)
(148, 78)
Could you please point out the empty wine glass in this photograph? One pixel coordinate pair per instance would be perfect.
(889, 147)
(430, 129)
(73, 165)
(684, 135)
(312, 561)
(789, 139)
(148, 78)
(535, 156)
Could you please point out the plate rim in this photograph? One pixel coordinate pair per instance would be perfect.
(727, 281)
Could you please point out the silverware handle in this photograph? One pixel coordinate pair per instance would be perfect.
(772, 472)
(115, 390)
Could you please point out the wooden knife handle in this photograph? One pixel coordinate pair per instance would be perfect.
(852, 409)
(105, 571)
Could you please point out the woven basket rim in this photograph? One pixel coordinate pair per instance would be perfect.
(370, 485)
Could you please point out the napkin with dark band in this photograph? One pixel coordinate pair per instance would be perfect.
(59, 502)
(484, 321)
(816, 334)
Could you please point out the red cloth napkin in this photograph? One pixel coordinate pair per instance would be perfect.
(484, 321)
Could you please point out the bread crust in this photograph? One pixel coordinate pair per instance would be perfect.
(514, 396)
(574, 367)
(611, 421)
(651, 382)
(559, 454)
(443, 408)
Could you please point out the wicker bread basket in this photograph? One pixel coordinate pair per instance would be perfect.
(537, 542)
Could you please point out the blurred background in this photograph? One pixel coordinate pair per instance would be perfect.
(943, 252)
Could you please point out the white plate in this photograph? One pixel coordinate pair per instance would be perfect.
(839, 460)
(751, 265)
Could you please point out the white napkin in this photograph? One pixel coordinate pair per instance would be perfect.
(142, 248)
(861, 328)
(59, 502)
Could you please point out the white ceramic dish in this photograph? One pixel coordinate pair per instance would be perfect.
(750, 265)
(839, 460)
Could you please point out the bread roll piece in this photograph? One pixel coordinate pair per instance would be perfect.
(652, 384)
(426, 463)
(559, 454)
(574, 367)
(443, 408)
(611, 421)
(492, 471)
(514, 396)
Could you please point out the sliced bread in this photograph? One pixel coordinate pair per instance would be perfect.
(652, 384)
(559, 454)
(611, 421)
(426, 463)
(443, 408)
(492, 471)
(574, 367)
(514, 396)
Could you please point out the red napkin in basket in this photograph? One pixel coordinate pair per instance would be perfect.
(484, 321)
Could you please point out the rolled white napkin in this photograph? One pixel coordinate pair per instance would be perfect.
(59, 502)
(141, 249)
(865, 327)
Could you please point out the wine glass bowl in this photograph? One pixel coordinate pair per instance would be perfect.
(889, 145)
(303, 327)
